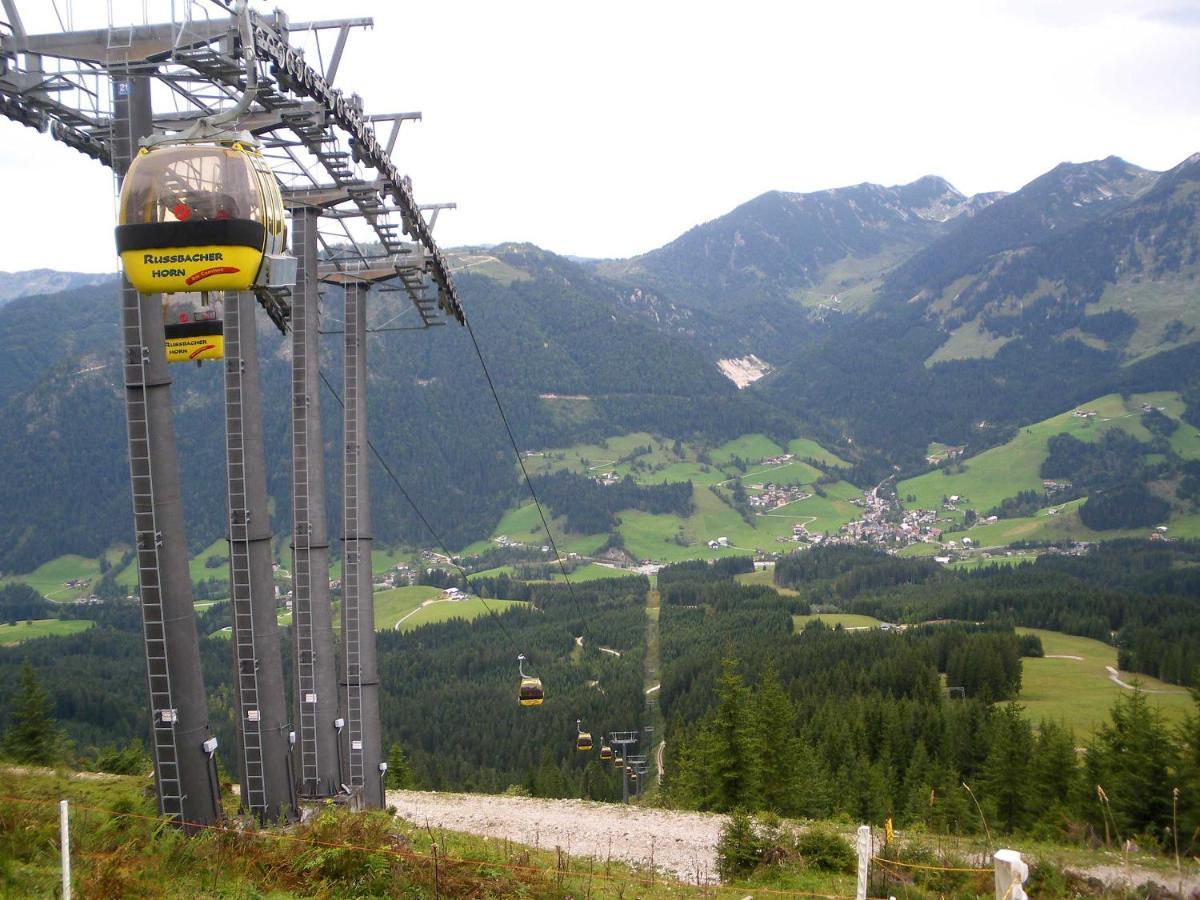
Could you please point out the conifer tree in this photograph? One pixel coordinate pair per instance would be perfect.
(1005, 781)
(33, 737)
(773, 728)
(1131, 759)
(1055, 769)
(399, 773)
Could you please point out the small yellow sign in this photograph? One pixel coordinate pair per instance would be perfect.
(888, 834)
(195, 348)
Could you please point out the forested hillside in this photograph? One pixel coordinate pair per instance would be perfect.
(1021, 306)
(448, 691)
(545, 326)
(829, 722)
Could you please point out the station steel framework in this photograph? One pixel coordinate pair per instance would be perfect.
(101, 91)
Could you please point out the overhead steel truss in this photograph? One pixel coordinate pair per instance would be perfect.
(99, 91)
(327, 151)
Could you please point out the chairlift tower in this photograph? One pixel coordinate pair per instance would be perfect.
(92, 89)
(624, 740)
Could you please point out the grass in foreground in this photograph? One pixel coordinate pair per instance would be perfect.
(121, 849)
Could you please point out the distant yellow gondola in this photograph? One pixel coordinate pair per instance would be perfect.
(583, 740)
(530, 692)
(606, 753)
(193, 329)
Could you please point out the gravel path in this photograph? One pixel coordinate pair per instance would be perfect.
(681, 844)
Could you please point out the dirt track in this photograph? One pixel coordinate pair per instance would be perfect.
(682, 844)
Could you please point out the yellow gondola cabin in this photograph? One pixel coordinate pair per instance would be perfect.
(583, 740)
(530, 692)
(199, 217)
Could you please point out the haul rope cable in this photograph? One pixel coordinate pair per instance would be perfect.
(528, 482)
(420, 515)
(520, 461)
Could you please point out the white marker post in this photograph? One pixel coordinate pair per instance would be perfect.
(1011, 872)
(864, 860)
(64, 832)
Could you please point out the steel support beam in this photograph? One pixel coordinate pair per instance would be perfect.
(181, 740)
(315, 664)
(363, 750)
(263, 727)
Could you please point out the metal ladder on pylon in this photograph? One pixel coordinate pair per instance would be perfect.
(306, 679)
(350, 572)
(148, 539)
(241, 600)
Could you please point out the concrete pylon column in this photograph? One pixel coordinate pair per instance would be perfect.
(315, 681)
(363, 752)
(263, 724)
(181, 740)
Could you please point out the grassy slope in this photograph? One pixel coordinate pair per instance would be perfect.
(119, 848)
(765, 575)
(27, 631)
(647, 536)
(1003, 471)
(846, 620)
(469, 609)
(393, 604)
(50, 578)
(650, 536)
(1079, 692)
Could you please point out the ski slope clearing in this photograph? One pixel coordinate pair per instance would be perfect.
(682, 844)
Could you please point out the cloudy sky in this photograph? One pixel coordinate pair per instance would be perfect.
(607, 129)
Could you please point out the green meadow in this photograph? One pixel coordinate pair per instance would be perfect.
(833, 620)
(392, 605)
(1076, 689)
(983, 481)
(443, 611)
(50, 579)
(670, 538)
(38, 628)
(765, 576)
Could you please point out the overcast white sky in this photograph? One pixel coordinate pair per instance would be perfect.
(607, 129)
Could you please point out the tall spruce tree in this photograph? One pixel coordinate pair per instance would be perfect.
(773, 726)
(1005, 781)
(33, 737)
(399, 773)
(1132, 758)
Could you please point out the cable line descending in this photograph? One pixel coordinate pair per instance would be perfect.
(421, 516)
(525, 472)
